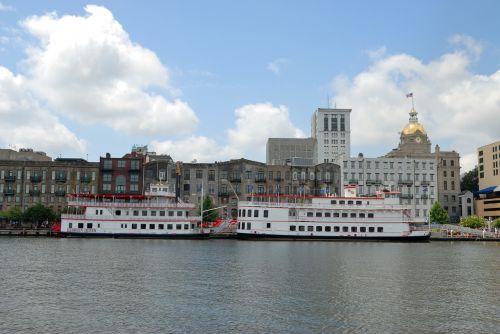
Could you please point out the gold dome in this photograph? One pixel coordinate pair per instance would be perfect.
(413, 127)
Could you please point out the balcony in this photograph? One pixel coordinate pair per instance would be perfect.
(85, 179)
(234, 179)
(134, 170)
(373, 182)
(61, 178)
(9, 192)
(260, 179)
(60, 193)
(406, 196)
(223, 193)
(407, 182)
(34, 192)
(425, 183)
(328, 181)
(278, 179)
(9, 178)
(35, 178)
(424, 196)
(107, 167)
(352, 181)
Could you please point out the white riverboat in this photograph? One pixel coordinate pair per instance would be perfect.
(157, 214)
(328, 218)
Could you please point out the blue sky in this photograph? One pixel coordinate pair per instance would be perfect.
(211, 80)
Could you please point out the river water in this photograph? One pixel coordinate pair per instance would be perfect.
(221, 286)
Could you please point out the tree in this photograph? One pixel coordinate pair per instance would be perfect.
(496, 223)
(473, 221)
(438, 214)
(209, 216)
(14, 214)
(470, 180)
(39, 213)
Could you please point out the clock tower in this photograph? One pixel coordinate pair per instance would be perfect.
(413, 140)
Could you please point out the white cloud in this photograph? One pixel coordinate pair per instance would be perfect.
(26, 124)
(377, 53)
(275, 65)
(6, 8)
(458, 108)
(87, 69)
(254, 124)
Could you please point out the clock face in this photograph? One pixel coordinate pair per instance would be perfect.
(418, 140)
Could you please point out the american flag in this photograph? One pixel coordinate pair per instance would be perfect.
(409, 95)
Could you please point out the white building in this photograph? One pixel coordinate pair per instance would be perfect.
(332, 130)
(415, 178)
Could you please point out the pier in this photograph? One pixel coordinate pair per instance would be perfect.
(26, 232)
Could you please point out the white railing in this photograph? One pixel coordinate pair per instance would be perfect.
(143, 204)
(377, 206)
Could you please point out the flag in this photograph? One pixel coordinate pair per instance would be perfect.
(409, 95)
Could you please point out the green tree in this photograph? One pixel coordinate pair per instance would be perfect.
(473, 221)
(209, 216)
(470, 180)
(14, 214)
(496, 223)
(438, 214)
(39, 213)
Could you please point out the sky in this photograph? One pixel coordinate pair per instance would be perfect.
(212, 80)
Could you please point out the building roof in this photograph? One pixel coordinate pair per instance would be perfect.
(488, 190)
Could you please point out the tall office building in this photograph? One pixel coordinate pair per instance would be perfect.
(489, 165)
(331, 128)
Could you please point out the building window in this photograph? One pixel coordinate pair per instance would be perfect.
(120, 164)
(199, 173)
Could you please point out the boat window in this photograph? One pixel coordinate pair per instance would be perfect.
(89, 225)
(319, 228)
(336, 229)
(341, 202)
(170, 213)
(361, 215)
(255, 213)
(134, 226)
(344, 214)
(118, 212)
(350, 202)
(100, 212)
(162, 213)
(151, 226)
(301, 228)
(354, 229)
(333, 201)
(362, 229)
(179, 213)
(371, 229)
(310, 228)
(192, 226)
(319, 214)
(70, 225)
(266, 213)
(268, 225)
(239, 212)
(243, 225)
(359, 202)
(328, 228)
(243, 212)
(353, 214)
(310, 214)
(249, 226)
(186, 226)
(380, 229)
(336, 214)
(80, 225)
(178, 226)
(153, 213)
(136, 213)
(187, 213)
(328, 214)
(143, 226)
(160, 226)
(144, 212)
(370, 215)
(169, 226)
(96, 212)
(345, 229)
(293, 228)
(249, 213)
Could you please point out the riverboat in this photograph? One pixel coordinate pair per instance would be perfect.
(329, 218)
(156, 214)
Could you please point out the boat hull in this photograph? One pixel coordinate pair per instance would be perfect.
(271, 237)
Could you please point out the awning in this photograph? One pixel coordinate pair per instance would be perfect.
(488, 190)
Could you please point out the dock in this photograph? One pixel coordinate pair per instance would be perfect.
(26, 232)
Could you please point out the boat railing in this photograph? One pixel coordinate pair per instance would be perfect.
(325, 206)
(166, 204)
(72, 216)
(167, 219)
